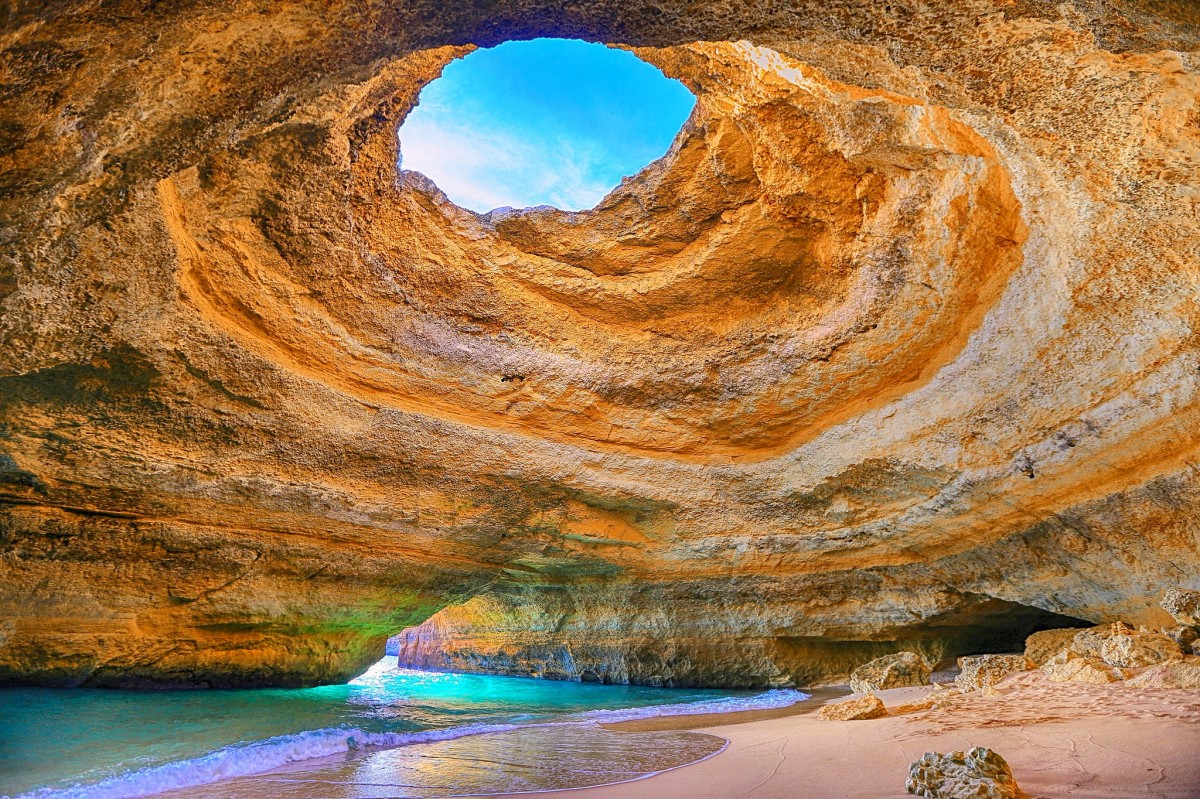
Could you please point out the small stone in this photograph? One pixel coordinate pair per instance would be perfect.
(984, 671)
(977, 774)
(901, 670)
(1183, 605)
(867, 706)
(1136, 650)
(1044, 645)
(1183, 673)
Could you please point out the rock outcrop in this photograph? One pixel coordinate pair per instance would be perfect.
(896, 349)
(977, 774)
(901, 670)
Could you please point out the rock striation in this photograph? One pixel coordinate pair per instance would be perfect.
(896, 349)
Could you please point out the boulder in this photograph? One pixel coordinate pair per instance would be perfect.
(1183, 673)
(1136, 650)
(1044, 645)
(901, 670)
(977, 774)
(867, 706)
(1183, 605)
(1067, 666)
(984, 671)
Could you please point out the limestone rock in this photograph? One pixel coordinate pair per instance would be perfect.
(1091, 642)
(901, 670)
(984, 671)
(977, 774)
(1041, 646)
(1184, 606)
(867, 706)
(1184, 673)
(1135, 650)
(1067, 666)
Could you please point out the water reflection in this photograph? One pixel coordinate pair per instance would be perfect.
(524, 760)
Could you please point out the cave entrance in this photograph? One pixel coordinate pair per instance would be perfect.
(554, 122)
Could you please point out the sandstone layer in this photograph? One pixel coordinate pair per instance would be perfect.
(895, 349)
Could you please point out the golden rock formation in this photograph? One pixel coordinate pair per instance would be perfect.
(896, 348)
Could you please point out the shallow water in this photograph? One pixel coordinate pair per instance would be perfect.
(64, 743)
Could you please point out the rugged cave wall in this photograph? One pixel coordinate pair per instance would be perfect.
(692, 634)
(902, 330)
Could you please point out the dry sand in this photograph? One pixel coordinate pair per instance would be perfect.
(1061, 739)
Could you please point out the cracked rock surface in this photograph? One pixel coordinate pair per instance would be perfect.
(895, 349)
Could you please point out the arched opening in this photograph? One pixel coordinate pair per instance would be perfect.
(555, 122)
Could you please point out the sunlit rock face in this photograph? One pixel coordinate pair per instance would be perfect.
(895, 348)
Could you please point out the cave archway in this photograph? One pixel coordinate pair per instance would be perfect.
(833, 365)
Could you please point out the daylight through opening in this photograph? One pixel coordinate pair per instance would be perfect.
(545, 122)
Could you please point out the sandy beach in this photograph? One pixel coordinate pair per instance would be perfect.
(1061, 740)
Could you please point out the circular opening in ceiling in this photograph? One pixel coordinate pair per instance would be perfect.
(554, 122)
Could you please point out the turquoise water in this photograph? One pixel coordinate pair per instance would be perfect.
(97, 743)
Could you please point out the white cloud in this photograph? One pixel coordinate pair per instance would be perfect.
(486, 169)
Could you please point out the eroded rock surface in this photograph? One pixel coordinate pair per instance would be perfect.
(857, 708)
(1069, 666)
(1184, 606)
(1139, 650)
(1041, 646)
(977, 774)
(901, 670)
(984, 671)
(895, 349)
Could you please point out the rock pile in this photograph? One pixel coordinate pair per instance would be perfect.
(1107, 653)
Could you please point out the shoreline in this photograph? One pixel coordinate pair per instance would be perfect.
(702, 721)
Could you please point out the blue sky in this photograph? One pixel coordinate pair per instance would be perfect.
(545, 122)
